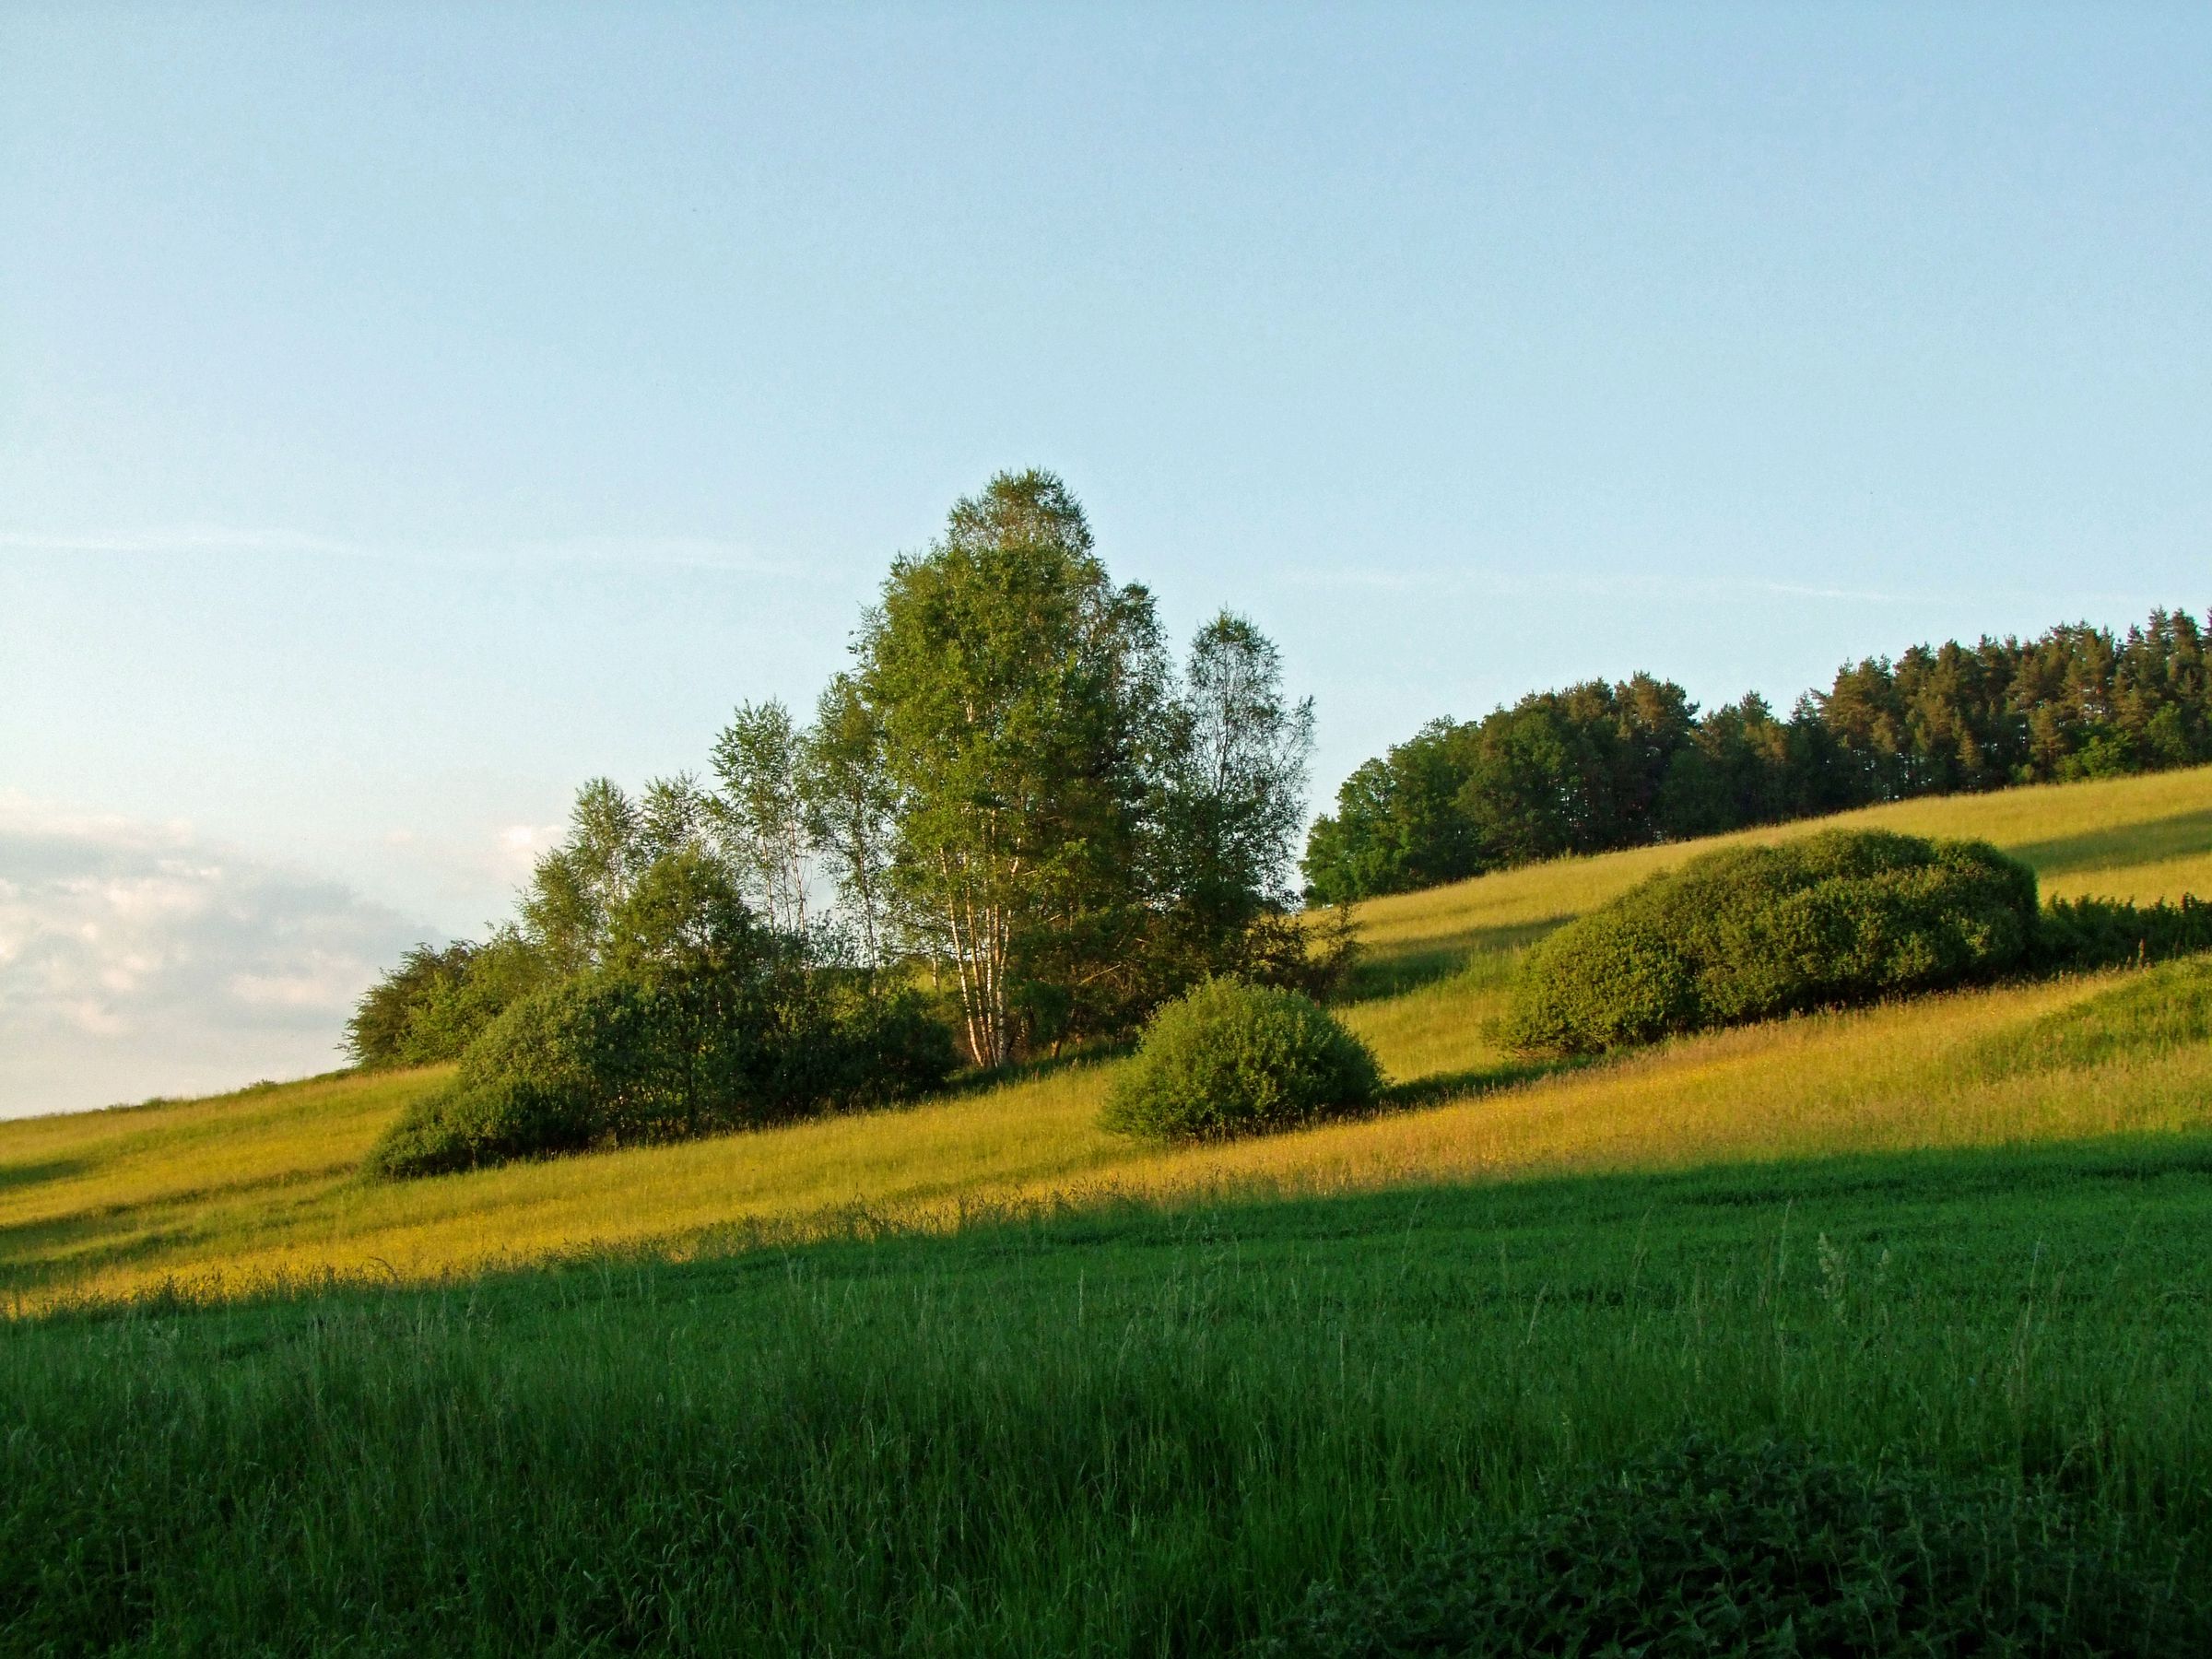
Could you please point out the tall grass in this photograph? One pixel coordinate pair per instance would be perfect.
(1120, 1431)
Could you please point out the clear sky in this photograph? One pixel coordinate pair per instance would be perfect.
(406, 413)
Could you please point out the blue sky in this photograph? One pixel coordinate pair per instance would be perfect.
(406, 413)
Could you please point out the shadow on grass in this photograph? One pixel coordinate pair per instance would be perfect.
(1393, 973)
(1437, 1089)
(977, 1079)
(36, 1253)
(45, 1169)
(2177, 837)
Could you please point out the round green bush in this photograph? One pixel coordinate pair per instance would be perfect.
(1232, 1058)
(1750, 932)
(1769, 1549)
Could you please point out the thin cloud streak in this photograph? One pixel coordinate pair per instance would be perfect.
(1658, 587)
(696, 553)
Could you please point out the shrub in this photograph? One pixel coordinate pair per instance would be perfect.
(565, 1069)
(888, 1046)
(1765, 1550)
(1749, 932)
(2109, 932)
(611, 1059)
(1232, 1058)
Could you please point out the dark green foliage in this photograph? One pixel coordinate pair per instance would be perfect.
(1398, 824)
(573, 1067)
(605, 1060)
(873, 1045)
(1749, 933)
(1596, 766)
(1579, 770)
(699, 1021)
(1769, 1549)
(2109, 932)
(431, 1005)
(1232, 1058)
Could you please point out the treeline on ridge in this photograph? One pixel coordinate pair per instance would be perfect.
(1030, 824)
(1597, 767)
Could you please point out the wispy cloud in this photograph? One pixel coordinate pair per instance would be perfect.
(1538, 583)
(697, 553)
(1644, 585)
(138, 958)
(182, 543)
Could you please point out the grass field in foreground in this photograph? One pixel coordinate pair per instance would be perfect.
(232, 1194)
(1125, 1430)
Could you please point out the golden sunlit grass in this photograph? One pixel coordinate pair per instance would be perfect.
(232, 1193)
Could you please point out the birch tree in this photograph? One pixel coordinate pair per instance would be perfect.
(848, 802)
(1235, 794)
(1018, 694)
(757, 813)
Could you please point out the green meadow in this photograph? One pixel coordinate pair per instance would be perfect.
(974, 1377)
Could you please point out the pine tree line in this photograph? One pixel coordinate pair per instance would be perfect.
(1597, 766)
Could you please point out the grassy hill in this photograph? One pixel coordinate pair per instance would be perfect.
(238, 1192)
(1086, 1399)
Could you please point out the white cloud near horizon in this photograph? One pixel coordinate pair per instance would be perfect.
(139, 958)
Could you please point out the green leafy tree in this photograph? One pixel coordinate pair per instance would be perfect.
(846, 795)
(1019, 696)
(379, 1033)
(1399, 822)
(576, 887)
(1233, 802)
(761, 812)
(432, 1006)
(1012, 792)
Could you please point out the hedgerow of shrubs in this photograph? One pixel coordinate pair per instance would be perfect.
(1230, 1058)
(1708, 1549)
(2083, 934)
(701, 1021)
(606, 1060)
(1749, 933)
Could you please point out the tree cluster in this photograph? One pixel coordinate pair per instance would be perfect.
(1015, 805)
(1599, 766)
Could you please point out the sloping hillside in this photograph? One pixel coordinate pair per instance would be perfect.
(2142, 838)
(230, 1193)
